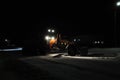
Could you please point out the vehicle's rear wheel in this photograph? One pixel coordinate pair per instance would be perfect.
(71, 53)
(71, 50)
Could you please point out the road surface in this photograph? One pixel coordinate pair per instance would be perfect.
(62, 67)
(58, 66)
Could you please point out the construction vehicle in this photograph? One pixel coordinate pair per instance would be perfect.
(59, 43)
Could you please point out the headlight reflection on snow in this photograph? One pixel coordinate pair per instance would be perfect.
(88, 58)
(15, 49)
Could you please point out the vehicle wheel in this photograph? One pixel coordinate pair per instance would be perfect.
(71, 50)
(71, 53)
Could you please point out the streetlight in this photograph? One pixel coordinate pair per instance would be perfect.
(117, 4)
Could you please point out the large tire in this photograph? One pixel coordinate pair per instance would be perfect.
(71, 50)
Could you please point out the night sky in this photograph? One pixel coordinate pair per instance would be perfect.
(84, 17)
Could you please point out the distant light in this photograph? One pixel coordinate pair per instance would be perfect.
(74, 39)
(98, 42)
(118, 3)
(95, 42)
(102, 42)
(49, 30)
(53, 31)
(6, 40)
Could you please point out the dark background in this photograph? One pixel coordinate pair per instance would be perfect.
(26, 19)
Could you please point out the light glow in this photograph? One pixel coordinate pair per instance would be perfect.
(47, 37)
(53, 37)
(102, 42)
(49, 30)
(53, 31)
(118, 3)
(74, 39)
(15, 49)
(95, 42)
(6, 40)
(98, 42)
